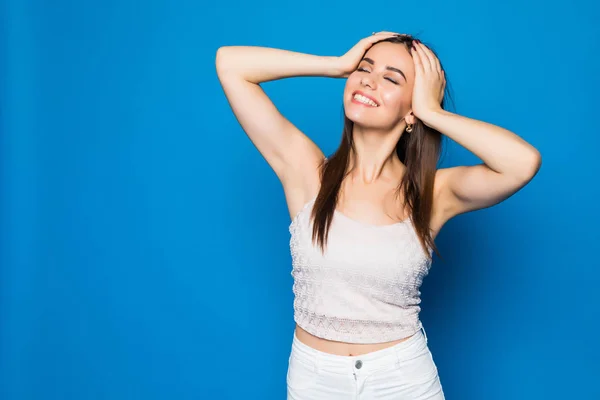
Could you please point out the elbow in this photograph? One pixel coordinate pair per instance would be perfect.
(220, 59)
(223, 60)
(532, 166)
(536, 161)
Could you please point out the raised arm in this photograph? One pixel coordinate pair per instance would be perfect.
(241, 69)
(289, 152)
(509, 162)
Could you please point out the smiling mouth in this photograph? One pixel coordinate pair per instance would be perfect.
(359, 98)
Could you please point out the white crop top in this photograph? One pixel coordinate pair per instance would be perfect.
(365, 287)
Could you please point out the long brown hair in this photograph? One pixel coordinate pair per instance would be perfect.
(418, 150)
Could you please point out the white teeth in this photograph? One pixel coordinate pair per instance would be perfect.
(365, 100)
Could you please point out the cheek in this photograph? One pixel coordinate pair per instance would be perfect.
(351, 82)
(396, 100)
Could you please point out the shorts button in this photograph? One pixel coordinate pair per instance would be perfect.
(358, 364)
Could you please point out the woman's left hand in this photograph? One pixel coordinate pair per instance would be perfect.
(430, 82)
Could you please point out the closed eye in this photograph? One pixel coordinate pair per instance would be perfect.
(362, 69)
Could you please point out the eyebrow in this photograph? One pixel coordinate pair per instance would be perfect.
(387, 67)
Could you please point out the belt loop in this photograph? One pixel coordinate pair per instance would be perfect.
(424, 333)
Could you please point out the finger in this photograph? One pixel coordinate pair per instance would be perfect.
(387, 33)
(434, 61)
(437, 64)
(423, 57)
(371, 40)
(428, 55)
(382, 35)
(443, 89)
(376, 36)
(417, 59)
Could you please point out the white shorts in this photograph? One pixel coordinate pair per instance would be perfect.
(403, 371)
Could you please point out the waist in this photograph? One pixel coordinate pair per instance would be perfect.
(349, 329)
(391, 354)
(341, 348)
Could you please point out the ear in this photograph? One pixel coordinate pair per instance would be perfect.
(410, 118)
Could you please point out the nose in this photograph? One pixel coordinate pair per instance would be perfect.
(366, 81)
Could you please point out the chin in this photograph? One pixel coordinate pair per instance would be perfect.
(359, 115)
(360, 118)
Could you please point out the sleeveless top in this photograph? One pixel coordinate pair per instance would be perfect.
(365, 287)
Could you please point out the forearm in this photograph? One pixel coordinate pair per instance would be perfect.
(262, 64)
(500, 149)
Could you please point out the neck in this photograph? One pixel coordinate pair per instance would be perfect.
(375, 158)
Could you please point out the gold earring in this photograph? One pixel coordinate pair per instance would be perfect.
(409, 128)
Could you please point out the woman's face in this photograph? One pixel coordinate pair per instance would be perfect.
(378, 94)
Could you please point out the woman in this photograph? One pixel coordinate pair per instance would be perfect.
(364, 221)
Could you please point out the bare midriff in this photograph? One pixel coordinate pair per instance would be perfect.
(341, 348)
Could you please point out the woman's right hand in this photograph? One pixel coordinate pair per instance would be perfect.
(349, 61)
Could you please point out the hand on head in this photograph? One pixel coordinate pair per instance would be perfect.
(430, 80)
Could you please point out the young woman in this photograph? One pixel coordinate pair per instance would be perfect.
(364, 220)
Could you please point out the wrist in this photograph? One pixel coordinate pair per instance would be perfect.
(334, 68)
(431, 113)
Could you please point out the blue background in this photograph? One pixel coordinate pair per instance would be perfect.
(144, 242)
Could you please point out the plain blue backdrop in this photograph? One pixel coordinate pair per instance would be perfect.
(144, 241)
